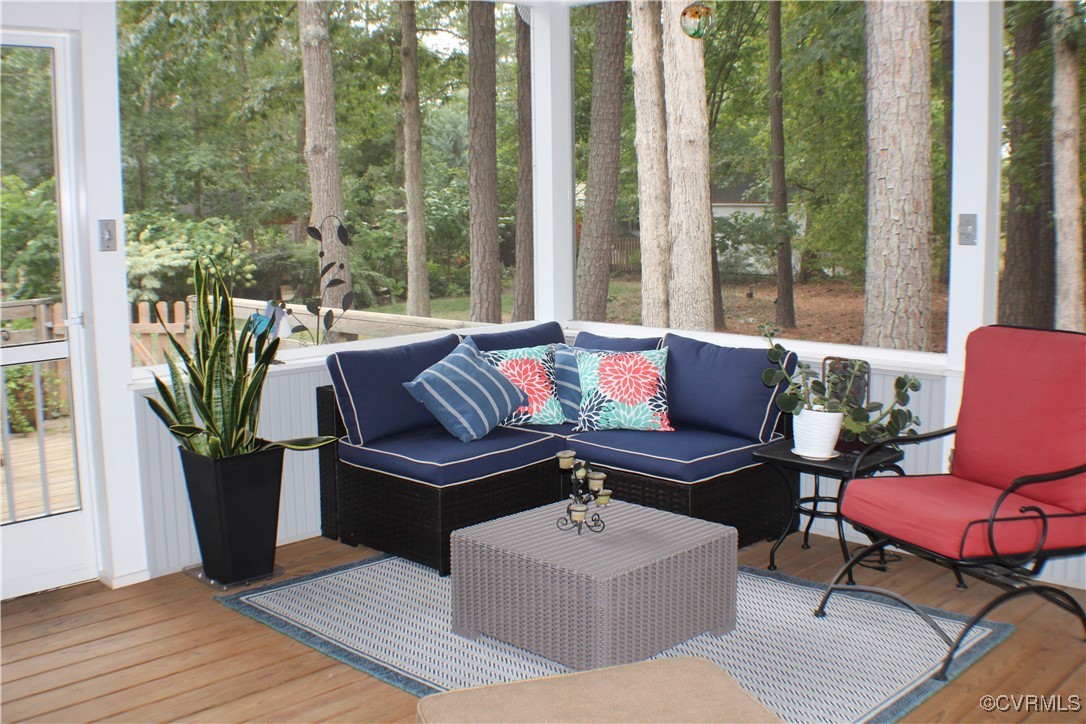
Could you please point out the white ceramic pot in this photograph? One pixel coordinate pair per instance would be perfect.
(816, 432)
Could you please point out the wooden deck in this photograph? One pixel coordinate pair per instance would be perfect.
(26, 472)
(165, 650)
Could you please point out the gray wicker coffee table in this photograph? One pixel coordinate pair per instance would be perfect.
(648, 581)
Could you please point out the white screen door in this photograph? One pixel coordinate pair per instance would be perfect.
(46, 530)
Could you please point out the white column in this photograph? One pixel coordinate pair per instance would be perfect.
(978, 118)
(552, 160)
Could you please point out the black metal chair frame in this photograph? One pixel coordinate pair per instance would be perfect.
(1014, 574)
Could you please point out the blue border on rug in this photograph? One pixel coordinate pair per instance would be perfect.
(923, 691)
(365, 664)
(893, 711)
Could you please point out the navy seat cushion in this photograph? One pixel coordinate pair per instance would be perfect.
(433, 457)
(587, 340)
(720, 388)
(369, 387)
(684, 456)
(546, 333)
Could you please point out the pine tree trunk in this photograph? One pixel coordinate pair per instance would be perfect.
(322, 147)
(690, 286)
(1027, 289)
(601, 188)
(524, 278)
(651, 144)
(946, 23)
(786, 309)
(486, 273)
(897, 311)
(1066, 127)
(418, 278)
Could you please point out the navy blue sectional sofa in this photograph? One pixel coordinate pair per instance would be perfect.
(399, 482)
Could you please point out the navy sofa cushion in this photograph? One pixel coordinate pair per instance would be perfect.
(563, 431)
(684, 456)
(546, 333)
(720, 389)
(466, 394)
(432, 457)
(369, 387)
(587, 340)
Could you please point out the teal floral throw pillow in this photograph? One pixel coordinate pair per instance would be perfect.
(531, 369)
(623, 390)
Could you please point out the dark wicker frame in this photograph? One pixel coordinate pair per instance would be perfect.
(409, 519)
(751, 500)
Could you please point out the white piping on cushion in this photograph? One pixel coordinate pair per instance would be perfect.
(433, 464)
(350, 397)
(575, 438)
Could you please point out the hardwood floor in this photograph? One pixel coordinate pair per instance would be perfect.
(165, 650)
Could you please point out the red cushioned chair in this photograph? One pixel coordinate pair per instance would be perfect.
(1016, 492)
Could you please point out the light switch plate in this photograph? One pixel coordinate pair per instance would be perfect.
(967, 229)
(107, 235)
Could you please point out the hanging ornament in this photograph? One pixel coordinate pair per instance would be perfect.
(697, 20)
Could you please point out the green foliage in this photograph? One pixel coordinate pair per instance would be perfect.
(21, 399)
(219, 382)
(26, 114)
(160, 251)
(841, 391)
(744, 242)
(30, 254)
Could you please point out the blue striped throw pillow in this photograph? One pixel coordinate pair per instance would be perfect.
(466, 395)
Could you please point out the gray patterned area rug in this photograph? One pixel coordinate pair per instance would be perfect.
(867, 660)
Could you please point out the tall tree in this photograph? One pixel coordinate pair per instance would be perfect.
(1027, 287)
(651, 143)
(897, 310)
(786, 309)
(322, 148)
(1066, 127)
(418, 277)
(690, 286)
(524, 279)
(601, 188)
(486, 274)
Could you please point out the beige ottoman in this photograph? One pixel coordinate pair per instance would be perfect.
(685, 689)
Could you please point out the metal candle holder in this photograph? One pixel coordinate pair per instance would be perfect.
(586, 487)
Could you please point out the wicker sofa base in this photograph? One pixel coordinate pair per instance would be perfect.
(413, 520)
(405, 518)
(754, 500)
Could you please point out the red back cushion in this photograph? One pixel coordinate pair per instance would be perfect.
(1024, 411)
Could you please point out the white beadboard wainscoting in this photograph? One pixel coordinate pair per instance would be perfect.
(289, 410)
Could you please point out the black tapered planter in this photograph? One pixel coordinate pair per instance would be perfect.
(235, 507)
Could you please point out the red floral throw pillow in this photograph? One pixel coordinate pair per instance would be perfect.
(623, 390)
(532, 370)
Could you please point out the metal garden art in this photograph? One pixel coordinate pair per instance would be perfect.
(233, 476)
(329, 279)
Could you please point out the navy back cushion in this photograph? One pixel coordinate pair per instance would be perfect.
(720, 388)
(370, 392)
(587, 340)
(546, 333)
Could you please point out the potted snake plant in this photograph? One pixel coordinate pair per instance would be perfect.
(212, 406)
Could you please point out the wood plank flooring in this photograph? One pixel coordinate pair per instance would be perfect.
(164, 650)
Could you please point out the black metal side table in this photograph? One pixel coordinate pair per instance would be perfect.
(779, 455)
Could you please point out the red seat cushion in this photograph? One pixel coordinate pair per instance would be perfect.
(1023, 411)
(948, 515)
